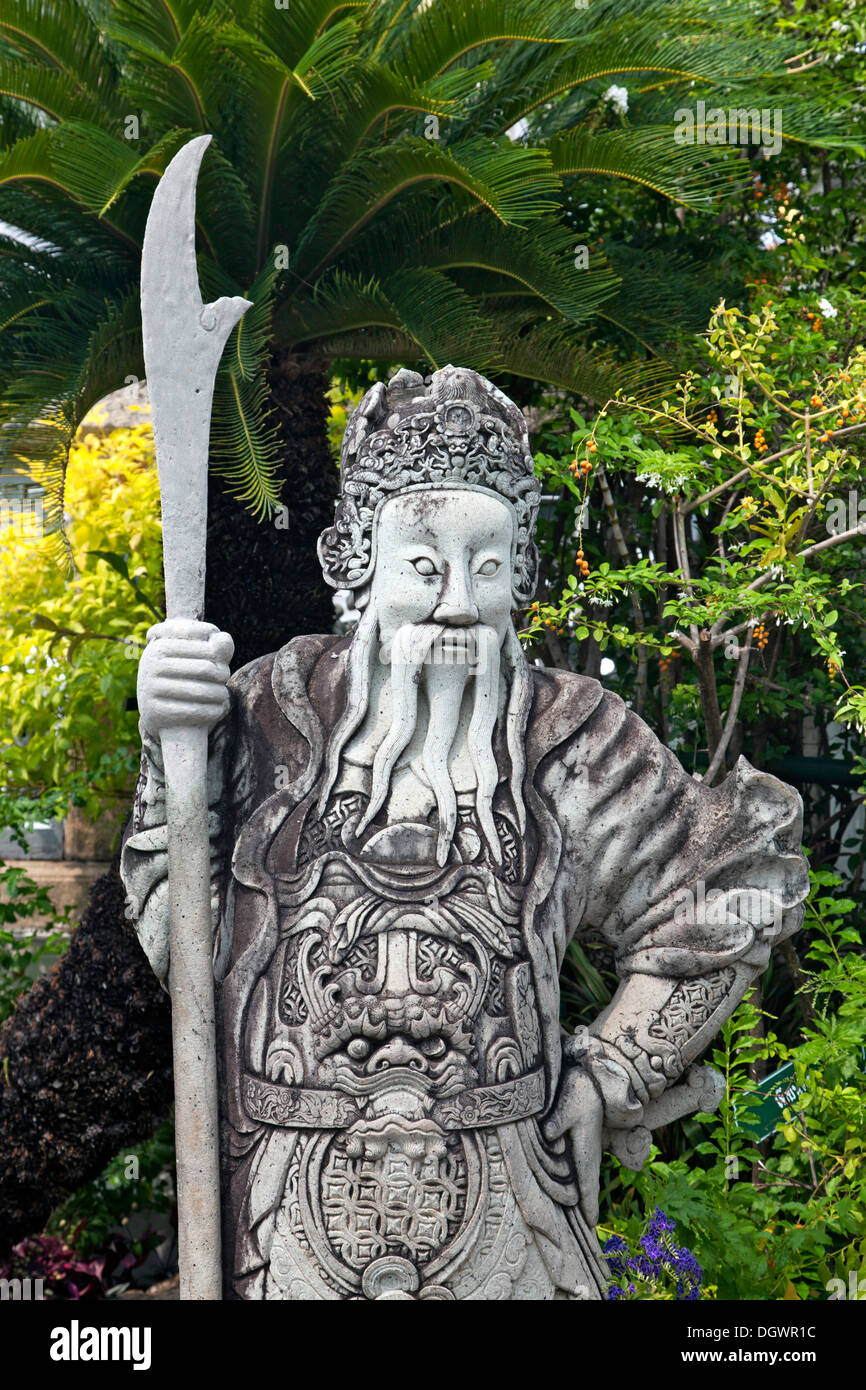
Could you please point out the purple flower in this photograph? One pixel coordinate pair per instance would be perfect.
(657, 1258)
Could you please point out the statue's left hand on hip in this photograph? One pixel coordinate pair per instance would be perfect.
(596, 1092)
(579, 1113)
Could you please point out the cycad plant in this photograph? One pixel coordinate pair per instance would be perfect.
(365, 188)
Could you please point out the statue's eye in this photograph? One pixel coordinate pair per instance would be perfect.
(424, 565)
(489, 568)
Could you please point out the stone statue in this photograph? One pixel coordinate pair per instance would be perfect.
(408, 825)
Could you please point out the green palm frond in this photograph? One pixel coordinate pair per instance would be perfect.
(653, 158)
(442, 35)
(515, 185)
(374, 345)
(441, 318)
(660, 288)
(55, 93)
(540, 259)
(98, 167)
(58, 35)
(29, 159)
(150, 26)
(291, 33)
(177, 88)
(421, 305)
(113, 353)
(548, 352)
(226, 215)
(635, 57)
(374, 92)
(244, 443)
(803, 117)
(268, 96)
(340, 303)
(404, 242)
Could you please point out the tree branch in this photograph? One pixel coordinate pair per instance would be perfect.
(733, 710)
(623, 552)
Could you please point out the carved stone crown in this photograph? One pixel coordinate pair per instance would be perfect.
(457, 430)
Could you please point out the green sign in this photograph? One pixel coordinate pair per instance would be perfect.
(776, 1093)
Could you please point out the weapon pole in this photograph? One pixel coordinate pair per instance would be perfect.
(183, 342)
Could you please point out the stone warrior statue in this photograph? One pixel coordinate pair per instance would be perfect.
(408, 826)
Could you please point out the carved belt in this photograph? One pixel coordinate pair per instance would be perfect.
(307, 1107)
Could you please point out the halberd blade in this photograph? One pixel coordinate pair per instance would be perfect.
(184, 339)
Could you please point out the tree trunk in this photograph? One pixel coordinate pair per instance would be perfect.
(709, 695)
(85, 1059)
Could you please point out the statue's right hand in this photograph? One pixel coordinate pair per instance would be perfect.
(182, 676)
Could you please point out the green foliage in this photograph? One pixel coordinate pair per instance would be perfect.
(24, 955)
(745, 474)
(69, 645)
(781, 1219)
(138, 1181)
(367, 187)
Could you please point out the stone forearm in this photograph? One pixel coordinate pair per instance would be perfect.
(658, 1026)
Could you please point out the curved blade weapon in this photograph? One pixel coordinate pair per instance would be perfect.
(183, 341)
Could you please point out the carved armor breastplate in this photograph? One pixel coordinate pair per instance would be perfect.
(398, 1017)
(397, 983)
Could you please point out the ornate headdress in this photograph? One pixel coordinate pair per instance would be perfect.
(459, 430)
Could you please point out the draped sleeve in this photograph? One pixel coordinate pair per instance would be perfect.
(677, 878)
(688, 886)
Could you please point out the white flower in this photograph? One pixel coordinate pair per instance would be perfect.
(651, 480)
(618, 96)
(770, 241)
(827, 309)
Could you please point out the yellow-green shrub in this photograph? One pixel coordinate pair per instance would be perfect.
(71, 633)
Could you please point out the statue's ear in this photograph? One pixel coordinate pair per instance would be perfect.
(345, 549)
(525, 573)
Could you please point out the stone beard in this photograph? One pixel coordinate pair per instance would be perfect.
(408, 827)
(445, 668)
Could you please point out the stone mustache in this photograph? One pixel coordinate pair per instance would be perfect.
(408, 826)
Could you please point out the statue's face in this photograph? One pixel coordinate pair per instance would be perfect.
(445, 556)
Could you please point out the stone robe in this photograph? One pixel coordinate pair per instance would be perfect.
(374, 1166)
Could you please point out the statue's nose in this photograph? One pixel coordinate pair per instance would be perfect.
(397, 1052)
(463, 616)
(456, 605)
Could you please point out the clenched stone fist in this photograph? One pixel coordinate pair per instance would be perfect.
(182, 676)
